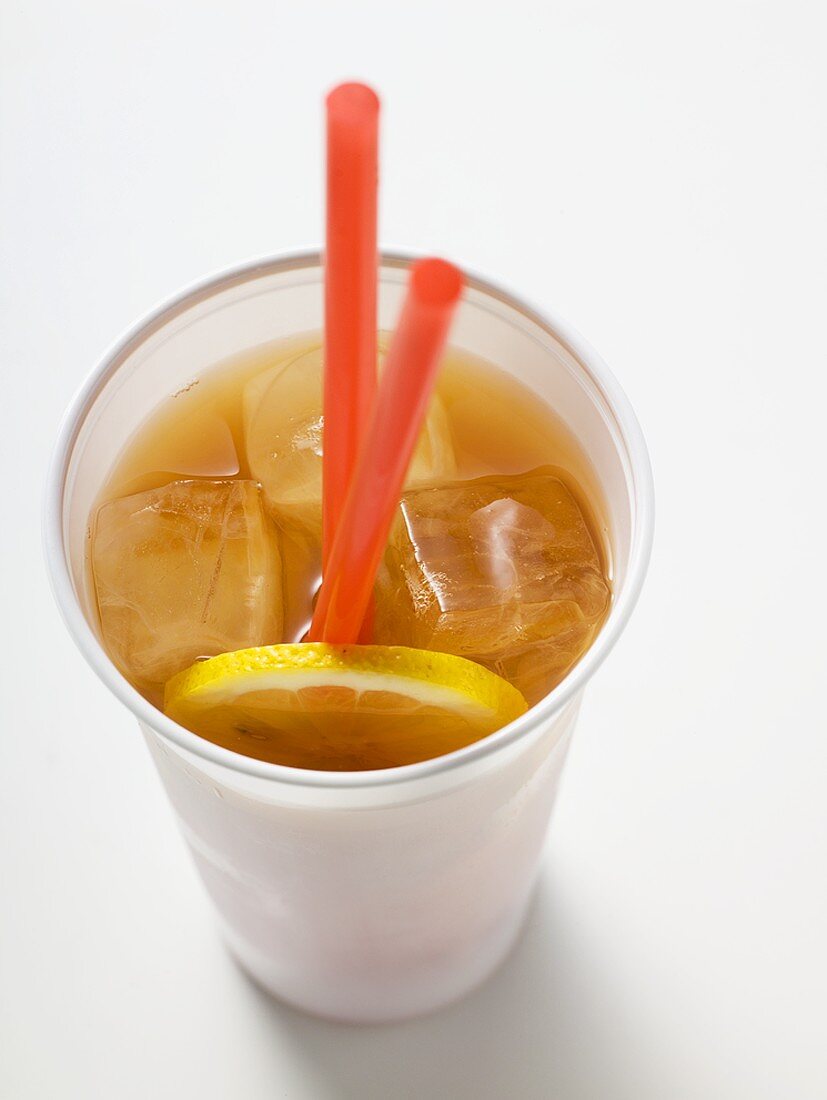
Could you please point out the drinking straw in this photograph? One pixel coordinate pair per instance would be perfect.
(411, 366)
(350, 291)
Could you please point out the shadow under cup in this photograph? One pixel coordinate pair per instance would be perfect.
(364, 896)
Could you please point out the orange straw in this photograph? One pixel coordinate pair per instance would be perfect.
(410, 371)
(350, 291)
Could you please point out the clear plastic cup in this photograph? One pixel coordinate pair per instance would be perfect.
(364, 896)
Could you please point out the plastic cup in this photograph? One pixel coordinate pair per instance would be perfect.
(363, 896)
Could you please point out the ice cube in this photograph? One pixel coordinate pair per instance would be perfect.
(283, 432)
(201, 446)
(188, 570)
(502, 570)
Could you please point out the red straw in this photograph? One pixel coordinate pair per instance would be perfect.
(350, 291)
(407, 381)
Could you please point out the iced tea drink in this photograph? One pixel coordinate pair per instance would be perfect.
(362, 893)
(206, 538)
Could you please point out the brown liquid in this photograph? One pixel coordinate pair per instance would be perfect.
(497, 426)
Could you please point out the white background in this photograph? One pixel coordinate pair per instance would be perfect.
(656, 174)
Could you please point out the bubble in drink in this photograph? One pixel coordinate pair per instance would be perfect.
(188, 570)
(502, 570)
(283, 432)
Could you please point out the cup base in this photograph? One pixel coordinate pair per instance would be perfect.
(370, 1001)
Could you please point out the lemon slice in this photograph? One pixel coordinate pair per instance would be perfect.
(313, 705)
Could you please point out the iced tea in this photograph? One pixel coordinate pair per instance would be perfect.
(206, 537)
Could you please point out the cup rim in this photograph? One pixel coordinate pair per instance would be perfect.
(548, 708)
